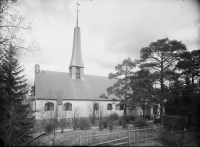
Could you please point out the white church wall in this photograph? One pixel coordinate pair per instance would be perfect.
(80, 106)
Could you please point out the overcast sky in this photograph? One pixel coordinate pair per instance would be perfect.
(111, 30)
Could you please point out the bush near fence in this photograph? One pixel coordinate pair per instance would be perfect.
(84, 124)
(130, 118)
(174, 122)
(140, 122)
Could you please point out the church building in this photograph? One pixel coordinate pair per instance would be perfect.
(66, 94)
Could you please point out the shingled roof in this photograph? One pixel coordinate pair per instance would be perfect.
(53, 85)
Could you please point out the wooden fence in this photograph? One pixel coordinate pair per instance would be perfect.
(130, 137)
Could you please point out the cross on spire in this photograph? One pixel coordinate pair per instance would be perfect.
(77, 10)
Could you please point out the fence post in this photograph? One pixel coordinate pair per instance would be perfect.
(136, 133)
(129, 135)
(160, 130)
(184, 136)
(80, 140)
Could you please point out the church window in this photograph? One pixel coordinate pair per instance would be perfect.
(109, 106)
(49, 106)
(117, 106)
(77, 72)
(96, 106)
(121, 106)
(67, 107)
(155, 108)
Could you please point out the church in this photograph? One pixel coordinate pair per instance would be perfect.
(75, 93)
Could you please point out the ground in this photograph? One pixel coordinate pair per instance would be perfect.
(69, 136)
(151, 143)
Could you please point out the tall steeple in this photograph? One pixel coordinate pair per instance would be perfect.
(76, 65)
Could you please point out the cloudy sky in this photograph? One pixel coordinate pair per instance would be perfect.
(111, 30)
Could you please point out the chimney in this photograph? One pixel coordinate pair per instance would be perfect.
(37, 68)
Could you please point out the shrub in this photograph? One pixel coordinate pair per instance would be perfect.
(140, 122)
(110, 120)
(130, 118)
(84, 124)
(174, 122)
(63, 124)
(105, 123)
(157, 121)
(48, 127)
(113, 116)
(110, 125)
(75, 121)
(120, 120)
(100, 124)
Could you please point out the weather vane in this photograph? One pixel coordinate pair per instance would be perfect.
(77, 10)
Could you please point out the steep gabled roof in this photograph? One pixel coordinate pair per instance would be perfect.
(51, 85)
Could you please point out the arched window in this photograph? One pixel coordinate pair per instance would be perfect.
(109, 106)
(67, 107)
(96, 106)
(49, 106)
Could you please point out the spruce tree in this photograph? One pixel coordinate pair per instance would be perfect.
(17, 119)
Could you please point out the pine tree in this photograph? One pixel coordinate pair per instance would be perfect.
(17, 120)
(160, 58)
(122, 88)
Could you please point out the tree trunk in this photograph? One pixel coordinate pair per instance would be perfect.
(162, 92)
(161, 112)
(124, 117)
(144, 108)
(189, 121)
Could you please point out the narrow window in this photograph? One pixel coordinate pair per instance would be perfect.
(67, 107)
(49, 106)
(77, 72)
(155, 108)
(121, 106)
(117, 106)
(96, 106)
(109, 106)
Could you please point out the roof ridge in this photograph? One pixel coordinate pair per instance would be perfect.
(96, 76)
(68, 73)
(54, 71)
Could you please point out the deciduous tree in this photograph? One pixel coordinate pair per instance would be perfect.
(15, 29)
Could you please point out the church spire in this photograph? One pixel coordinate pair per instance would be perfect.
(77, 10)
(76, 64)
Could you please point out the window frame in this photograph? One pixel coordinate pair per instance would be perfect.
(121, 106)
(117, 106)
(49, 106)
(78, 72)
(109, 106)
(96, 107)
(67, 106)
